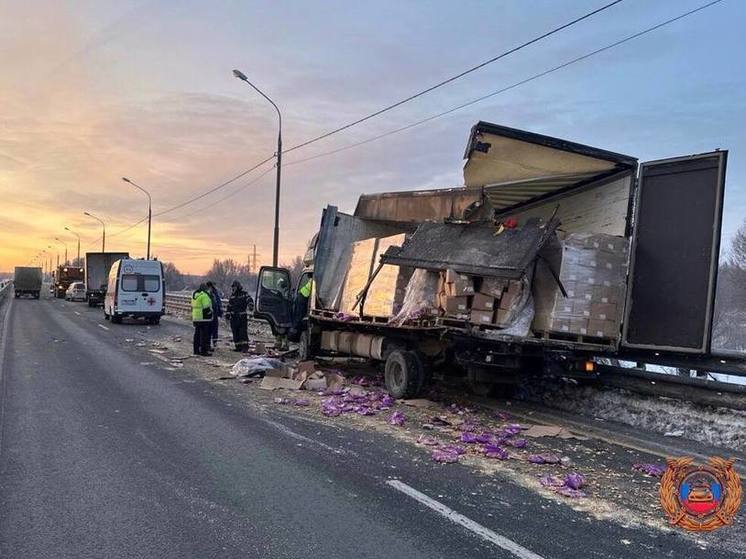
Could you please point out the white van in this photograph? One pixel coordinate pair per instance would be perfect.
(135, 288)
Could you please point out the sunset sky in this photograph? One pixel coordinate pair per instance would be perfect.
(93, 90)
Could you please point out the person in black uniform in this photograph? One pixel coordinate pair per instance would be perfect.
(236, 314)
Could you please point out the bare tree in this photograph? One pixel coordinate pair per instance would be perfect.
(173, 277)
(730, 305)
(295, 267)
(738, 248)
(223, 272)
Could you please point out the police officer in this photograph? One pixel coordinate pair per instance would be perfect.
(217, 312)
(236, 313)
(202, 320)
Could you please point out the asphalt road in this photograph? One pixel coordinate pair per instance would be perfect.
(105, 454)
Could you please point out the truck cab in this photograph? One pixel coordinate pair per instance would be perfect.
(284, 306)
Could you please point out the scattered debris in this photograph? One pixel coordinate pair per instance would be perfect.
(255, 366)
(397, 418)
(537, 431)
(545, 458)
(444, 456)
(568, 487)
(653, 470)
(273, 383)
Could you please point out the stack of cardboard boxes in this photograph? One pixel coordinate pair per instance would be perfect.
(592, 269)
(479, 300)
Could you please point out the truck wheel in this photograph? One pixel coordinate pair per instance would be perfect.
(306, 349)
(404, 374)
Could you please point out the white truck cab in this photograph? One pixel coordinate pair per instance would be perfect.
(136, 289)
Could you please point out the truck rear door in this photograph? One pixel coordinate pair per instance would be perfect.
(674, 257)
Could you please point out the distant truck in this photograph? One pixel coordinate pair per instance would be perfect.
(64, 276)
(97, 267)
(27, 281)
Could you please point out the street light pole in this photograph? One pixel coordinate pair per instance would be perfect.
(64, 244)
(276, 241)
(103, 225)
(150, 209)
(78, 236)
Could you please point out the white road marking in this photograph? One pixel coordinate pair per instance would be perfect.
(102, 326)
(450, 514)
(300, 437)
(76, 312)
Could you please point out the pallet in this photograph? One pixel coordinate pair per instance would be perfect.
(576, 338)
(332, 315)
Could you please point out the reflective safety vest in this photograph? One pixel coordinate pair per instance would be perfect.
(200, 302)
(305, 290)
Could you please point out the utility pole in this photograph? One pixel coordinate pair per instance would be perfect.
(278, 155)
(150, 210)
(78, 236)
(256, 270)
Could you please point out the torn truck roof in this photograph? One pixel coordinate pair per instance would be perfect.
(516, 167)
(472, 248)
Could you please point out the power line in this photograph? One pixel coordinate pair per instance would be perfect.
(504, 89)
(452, 78)
(392, 106)
(214, 189)
(224, 198)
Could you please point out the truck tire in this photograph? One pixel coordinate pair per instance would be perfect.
(304, 346)
(404, 374)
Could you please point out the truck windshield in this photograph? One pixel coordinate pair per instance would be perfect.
(150, 283)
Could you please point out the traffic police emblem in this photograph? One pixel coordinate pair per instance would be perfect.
(700, 498)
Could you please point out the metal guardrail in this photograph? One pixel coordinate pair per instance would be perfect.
(181, 302)
(6, 286)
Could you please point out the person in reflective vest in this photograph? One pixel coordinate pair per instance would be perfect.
(237, 315)
(217, 313)
(202, 320)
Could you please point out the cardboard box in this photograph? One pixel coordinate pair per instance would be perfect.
(604, 311)
(482, 302)
(456, 305)
(481, 317)
(508, 300)
(603, 328)
(493, 287)
(458, 284)
(503, 317)
(515, 287)
(579, 326)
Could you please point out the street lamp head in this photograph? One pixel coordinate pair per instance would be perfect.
(240, 75)
(67, 228)
(125, 179)
(86, 213)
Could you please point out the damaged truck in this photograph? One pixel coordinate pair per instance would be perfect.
(553, 258)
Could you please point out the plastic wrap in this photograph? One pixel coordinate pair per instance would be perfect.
(521, 324)
(420, 298)
(593, 270)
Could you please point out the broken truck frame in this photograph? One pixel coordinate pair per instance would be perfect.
(671, 209)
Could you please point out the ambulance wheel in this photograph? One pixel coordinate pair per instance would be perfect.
(404, 375)
(116, 319)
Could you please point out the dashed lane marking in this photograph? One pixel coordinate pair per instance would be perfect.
(485, 533)
(102, 326)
